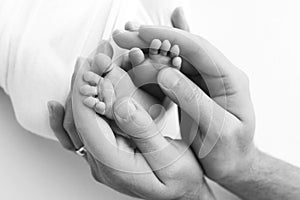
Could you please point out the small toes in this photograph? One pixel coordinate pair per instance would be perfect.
(154, 46)
(95, 104)
(100, 107)
(165, 47)
(136, 56)
(88, 90)
(90, 102)
(132, 26)
(91, 78)
(174, 51)
(101, 64)
(176, 62)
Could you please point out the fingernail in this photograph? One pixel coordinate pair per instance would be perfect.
(168, 78)
(125, 109)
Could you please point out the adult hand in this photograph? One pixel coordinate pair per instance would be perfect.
(218, 99)
(159, 169)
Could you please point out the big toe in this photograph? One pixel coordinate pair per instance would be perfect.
(104, 47)
(136, 56)
(102, 64)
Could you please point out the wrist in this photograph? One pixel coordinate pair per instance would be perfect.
(203, 192)
(244, 168)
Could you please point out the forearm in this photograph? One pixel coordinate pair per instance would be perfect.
(267, 178)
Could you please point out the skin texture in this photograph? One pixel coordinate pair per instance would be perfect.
(113, 159)
(216, 98)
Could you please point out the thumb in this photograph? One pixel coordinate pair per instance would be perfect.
(133, 119)
(207, 114)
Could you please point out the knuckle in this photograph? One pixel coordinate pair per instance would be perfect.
(179, 85)
(192, 94)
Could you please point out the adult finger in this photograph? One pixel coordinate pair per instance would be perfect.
(137, 123)
(56, 117)
(68, 121)
(178, 19)
(69, 125)
(94, 131)
(104, 47)
(129, 40)
(205, 112)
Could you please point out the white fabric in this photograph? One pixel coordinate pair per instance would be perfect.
(40, 41)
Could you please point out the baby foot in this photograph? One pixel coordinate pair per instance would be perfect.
(145, 67)
(107, 82)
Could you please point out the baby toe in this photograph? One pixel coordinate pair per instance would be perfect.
(90, 102)
(105, 47)
(136, 56)
(88, 90)
(165, 47)
(174, 51)
(176, 62)
(102, 64)
(100, 107)
(154, 46)
(91, 78)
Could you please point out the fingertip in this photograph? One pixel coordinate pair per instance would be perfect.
(50, 107)
(132, 26)
(54, 107)
(179, 20)
(117, 32)
(57, 113)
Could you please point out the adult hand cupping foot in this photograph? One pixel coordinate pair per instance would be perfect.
(163, 169)
(158, 169)
(224, 116)
(217, 98)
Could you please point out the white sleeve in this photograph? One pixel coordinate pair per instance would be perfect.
(42, 42)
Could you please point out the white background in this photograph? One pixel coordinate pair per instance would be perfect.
(260, 37)
(263, 39)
